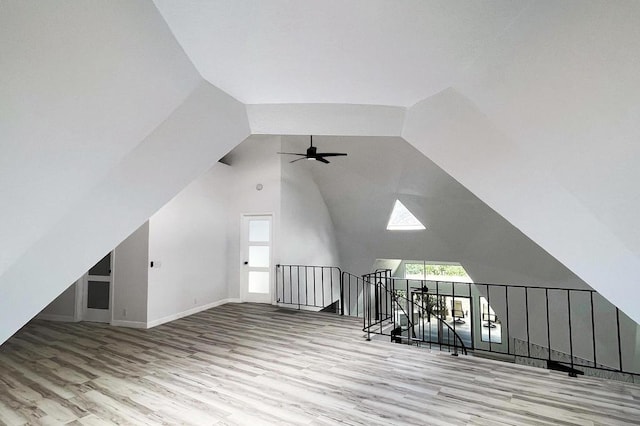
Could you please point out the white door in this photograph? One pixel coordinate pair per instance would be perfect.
(256, 256)
(96, 295)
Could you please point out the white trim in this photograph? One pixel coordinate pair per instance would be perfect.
(98, 315)
(244, 256)
(191, 311)
(112, 285)
(55, 317)
(129, 324)
(298, 308)
(77, 310)
(326, 119)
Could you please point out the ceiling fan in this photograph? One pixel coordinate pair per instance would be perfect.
(313, 154)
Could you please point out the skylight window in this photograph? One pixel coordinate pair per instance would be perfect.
(402, 219)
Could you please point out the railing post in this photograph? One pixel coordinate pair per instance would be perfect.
(489, 316)
(299, 289)
(376, 299)
(546, 297)
(455, 335)
(322, 283)
(341, 293)
(572, 373)
(526, 311)
(276, 272)
(409, 320)
(306, 286)
(619, 344)
(506, 299)
(368, 309)
(593, 331)
(290, 284)
(380, 319)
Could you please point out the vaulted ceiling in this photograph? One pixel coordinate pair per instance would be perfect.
(107, 110)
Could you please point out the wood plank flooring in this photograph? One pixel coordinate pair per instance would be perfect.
(256, 364)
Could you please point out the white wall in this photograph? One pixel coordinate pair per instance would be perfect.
(252, 162)
(188, 246)
(198, 133)
(518, 186)
(307, 232)
(62, 308)
(82, 84)
(101, 108)
(360, 191)
(130, 279)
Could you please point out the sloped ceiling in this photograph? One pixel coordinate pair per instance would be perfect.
(553, 85)
(531, 105)
(103, 119)
(80, 85)
(360, 190)
(335, 51)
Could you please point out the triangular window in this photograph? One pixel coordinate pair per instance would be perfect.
(402, 219)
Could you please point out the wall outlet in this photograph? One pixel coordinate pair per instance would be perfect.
(124, 313)
(195, 301)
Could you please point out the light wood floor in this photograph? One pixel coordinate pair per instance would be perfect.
(257, 364)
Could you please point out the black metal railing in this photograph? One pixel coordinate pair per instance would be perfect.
(391, 312)
(569, 329)
(566, 329)
(352, 295)
(308, 286)
(378, 302)
(572, 330)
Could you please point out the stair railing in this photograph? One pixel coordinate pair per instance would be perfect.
(561, 327)
(309, 286)
(384, 304)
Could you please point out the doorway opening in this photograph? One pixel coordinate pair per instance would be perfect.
(256, 279)
(97, 291)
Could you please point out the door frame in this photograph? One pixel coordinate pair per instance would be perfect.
(244, 256)
(80, 313)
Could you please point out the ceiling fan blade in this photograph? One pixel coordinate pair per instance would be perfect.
(313, 154)
(331, 154)
(298, 159)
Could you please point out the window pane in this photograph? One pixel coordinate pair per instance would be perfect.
(491, 326)
(102, 268)
(98, 295)
(414, 271)
(402, 219)
(258, 282)
(258, 230)
(259, 256)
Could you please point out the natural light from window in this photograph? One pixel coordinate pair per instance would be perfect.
(420, 270)
(403, 220)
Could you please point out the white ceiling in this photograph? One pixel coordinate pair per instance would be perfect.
(538, 87)
(334, 51)
(361, 188)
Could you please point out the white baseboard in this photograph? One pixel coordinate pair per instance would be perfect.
(300, 308)
(191, 311)
(130, 324)
(54, 317)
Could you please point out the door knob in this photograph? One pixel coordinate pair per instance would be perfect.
(246, 262)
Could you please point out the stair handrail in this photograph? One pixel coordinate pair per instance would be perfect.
(421, 308)
(439, 318)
